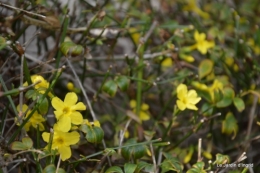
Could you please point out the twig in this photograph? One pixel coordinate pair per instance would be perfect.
(199, 150)
(147, 35)
(153, 158)
(123, 133)
(251, 117)
(21, 93)
(58, 165)
(21, 10)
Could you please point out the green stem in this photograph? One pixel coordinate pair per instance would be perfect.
(8, 97)
(63, 35)
(115, 148)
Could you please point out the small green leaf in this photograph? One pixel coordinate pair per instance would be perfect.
(110, 87)
(2, 43)
(134, 152)
(114, 169)
(172, 164)
(221, 159)
(239, 104)
(205, 68)
(228, 92)
(224, 102)
(129, 167)
(18, 146)
(140, 166)
(207, 109)
(52, 169)
(72, 48)
(197, 168)
(27, 142)
(122, 82)
(229, 125)
(31, 94)
(109, 151)
(44, 106)
(94, 134)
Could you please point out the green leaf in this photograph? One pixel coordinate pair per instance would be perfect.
(52, 169)
(197, 168)
(122, 82)
(18, 146)
(134, 152)
(114, 169)
(207, 109)
(228, 92)
(94, 134)
(110, 87)
(31, 94)
(2, 43)
(109, 152)
(142, 166)
(239, 104)
(221, 159)
(224, 102)
(129, 167)
(172, 164)
(26, 144)
(72, 48)
(44, 106)
(205, 68)
(229, 125)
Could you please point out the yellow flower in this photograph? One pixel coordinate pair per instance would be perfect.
(62, 141)
(40, 87)
(67, 111)
(202, 45)
(186, 99)
(135, 35)
(70, 86)
(167, 62)
(95, 123)
(216, 86)
(35, 120)
(187, 58)
(192, 6)
(143, 114)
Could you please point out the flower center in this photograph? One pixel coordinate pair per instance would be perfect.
(60, 141)
(66, 110)
(185, 100)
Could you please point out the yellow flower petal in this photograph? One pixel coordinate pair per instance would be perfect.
(57, 103)
(64, 123)
(145, 107)
(71, 99)
(132, 103)
(144, 116)
(27, 126)
(58, 114)
(71, 138)
(181, 105)
(192, 107)
(79, 106)
(65, 152)
(181, 91)
(46, 136)
(76, 118)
